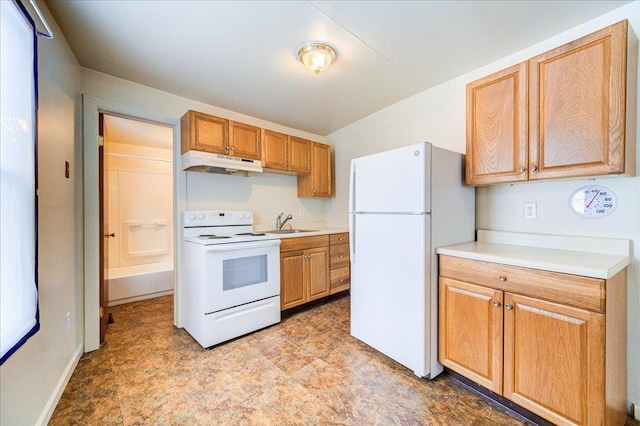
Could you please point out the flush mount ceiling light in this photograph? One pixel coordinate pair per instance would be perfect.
(316, 56)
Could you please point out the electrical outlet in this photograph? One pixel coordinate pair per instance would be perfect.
(67, 321)
(530, 210)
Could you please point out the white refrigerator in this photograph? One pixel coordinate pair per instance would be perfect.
(403, 204)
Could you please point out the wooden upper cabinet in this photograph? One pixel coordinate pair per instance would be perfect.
(285, 153)
(570, 122)
(274, 150)
(497, 127)
(245, 140)
(318, 183)
(203, 132)
(577, 107)
(299, 155)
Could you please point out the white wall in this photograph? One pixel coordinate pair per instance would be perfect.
(32, 379)
(265, 195)
(438, 115)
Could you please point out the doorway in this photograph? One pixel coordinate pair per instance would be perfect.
(137, 211)
(92, 108)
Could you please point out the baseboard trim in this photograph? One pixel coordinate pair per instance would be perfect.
(62, 383)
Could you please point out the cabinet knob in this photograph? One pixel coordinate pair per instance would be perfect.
(496, 303)
(503, 278)
(340, 256)
(339, 238)
(508, 306)
(341, 280)
(533, 168)
(521, 169)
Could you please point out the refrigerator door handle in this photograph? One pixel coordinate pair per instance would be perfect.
(352, 188)
(352, 237)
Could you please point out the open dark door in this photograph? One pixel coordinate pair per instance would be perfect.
(104, 228)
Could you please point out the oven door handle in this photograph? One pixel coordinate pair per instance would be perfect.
(242, 246)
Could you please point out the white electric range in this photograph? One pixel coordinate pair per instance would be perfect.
(231, 276)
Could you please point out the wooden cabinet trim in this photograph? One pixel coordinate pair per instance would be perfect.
(572, 290)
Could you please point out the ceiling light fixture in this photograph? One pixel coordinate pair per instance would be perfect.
(316, 56)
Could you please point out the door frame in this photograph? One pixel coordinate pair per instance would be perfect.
(91, 108)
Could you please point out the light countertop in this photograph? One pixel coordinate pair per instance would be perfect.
(313, 233)
(586, 256)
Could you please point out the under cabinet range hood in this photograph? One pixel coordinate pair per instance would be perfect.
(208, 162)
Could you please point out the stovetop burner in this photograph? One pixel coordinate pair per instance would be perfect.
(253, 234)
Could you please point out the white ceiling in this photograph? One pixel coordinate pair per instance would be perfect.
(242, 55)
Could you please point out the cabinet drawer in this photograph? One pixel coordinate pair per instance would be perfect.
(340, 279)
(572, 290)
(303, 243)
(342, 238)
(339, 256)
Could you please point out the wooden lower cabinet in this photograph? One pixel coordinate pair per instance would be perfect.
(304, 270)
(472, 347)
(312, 268)
(553, 360)
(564, 363)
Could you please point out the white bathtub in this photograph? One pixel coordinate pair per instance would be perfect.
(132, 283)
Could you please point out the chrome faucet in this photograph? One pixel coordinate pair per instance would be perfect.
(280, 224)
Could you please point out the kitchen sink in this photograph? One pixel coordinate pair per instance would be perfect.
(289, 231)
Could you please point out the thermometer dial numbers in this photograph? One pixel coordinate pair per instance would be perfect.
(593, 201)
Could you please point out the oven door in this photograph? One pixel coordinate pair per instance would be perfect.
(239, 273)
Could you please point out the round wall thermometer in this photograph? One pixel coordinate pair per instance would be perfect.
(593, 201)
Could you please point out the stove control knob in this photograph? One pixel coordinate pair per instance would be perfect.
(248, 216)
(192, 216)
(201, 216)
(241, 216)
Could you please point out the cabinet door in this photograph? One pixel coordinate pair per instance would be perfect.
(497, 127)
(470, 331)
(274, 150)
(292, 291)
(554, 360)
(245, 140)
(299, 155)
(317, 273)
(577, 107)
(318, 183)
(203, 132)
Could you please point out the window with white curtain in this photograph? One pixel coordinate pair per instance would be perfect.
(19, 318)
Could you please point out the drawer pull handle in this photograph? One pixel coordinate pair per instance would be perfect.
(496, 303)
(503, 278)
(508, 306)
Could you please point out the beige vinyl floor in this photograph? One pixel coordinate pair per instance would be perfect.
(306, 370)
